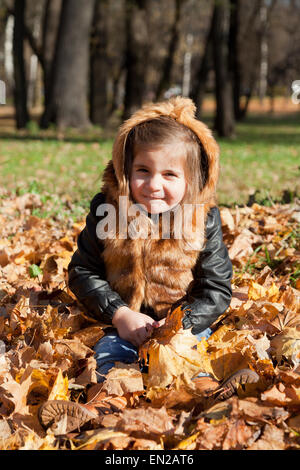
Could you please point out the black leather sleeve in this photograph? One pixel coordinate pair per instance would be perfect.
(210, 293)
(86, 271)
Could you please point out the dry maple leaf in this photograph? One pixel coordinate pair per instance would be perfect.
(272, 439)
(149, 423)
(287, 345)
(123, 379)
(282, 395)
(287, 318)
(257, 291)
(171, 352)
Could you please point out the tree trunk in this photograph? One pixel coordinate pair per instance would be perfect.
(264, 52)
(67, 104)
(187, 60)
(224, 119)
(20, 85)
(136, 55)
(99, 65)
(164, 82)
(50, 30)
(234, 62)
(198, 89)
(3, 22)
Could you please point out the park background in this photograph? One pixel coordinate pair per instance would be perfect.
(74, 69)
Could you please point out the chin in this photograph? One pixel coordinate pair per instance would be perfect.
(158, 208)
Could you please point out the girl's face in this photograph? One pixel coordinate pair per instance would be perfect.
(157, 177)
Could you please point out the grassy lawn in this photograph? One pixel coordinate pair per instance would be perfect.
(264, 156)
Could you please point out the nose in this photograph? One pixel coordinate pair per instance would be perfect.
(154, 183)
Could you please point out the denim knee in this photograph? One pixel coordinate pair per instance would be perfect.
(204, 334)
(111, 349)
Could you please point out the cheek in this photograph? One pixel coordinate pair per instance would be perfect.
(178, 190)
(135, 184)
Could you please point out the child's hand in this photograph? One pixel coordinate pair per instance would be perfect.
(133, 326)
(160, 322)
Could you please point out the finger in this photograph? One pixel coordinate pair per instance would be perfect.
(149, 328)
(143, 335)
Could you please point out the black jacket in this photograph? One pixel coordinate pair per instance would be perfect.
(208, 296)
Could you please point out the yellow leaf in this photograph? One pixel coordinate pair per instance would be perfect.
(172, 351)
(98, 436)
(256, 291)
(60, 388)
(186, 443)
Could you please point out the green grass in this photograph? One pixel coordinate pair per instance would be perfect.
(264, 157)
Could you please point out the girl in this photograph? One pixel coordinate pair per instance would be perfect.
(164, 161)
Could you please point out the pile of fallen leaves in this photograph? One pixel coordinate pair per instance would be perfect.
(46, 343)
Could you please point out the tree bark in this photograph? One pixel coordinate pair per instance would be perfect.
(50, 31)
(67, 104)
(99, 65)
(164, 82)
(234, 62)
(224, 119)
(135, 55)
(198, 89)
(20, 82)
(3, 22)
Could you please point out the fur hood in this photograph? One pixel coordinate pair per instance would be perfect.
(156, 273)
(183, 111)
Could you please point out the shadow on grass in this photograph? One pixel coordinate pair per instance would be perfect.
(255, 128)
(72, 139)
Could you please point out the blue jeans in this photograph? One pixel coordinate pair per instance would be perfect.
(111, 348)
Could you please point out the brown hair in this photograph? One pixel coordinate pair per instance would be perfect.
(165, 130)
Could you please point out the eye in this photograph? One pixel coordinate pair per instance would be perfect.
(170, 174)
(142, 169)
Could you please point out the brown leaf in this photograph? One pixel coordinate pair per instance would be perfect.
(291, 299)
(149, 423)
(123, 379)
(90, 335)
(88, 375)
(252, 409)
(72, 348)
(287, 345)
(282, 395)
(237, 436)
(294, 423)
(272, 439)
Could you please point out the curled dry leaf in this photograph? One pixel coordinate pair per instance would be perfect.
(90, 335)
(88, 375)
(272, 439)
(123, 379)
(149, 423)
(287, 345)
(71, 348)
(282, 395)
